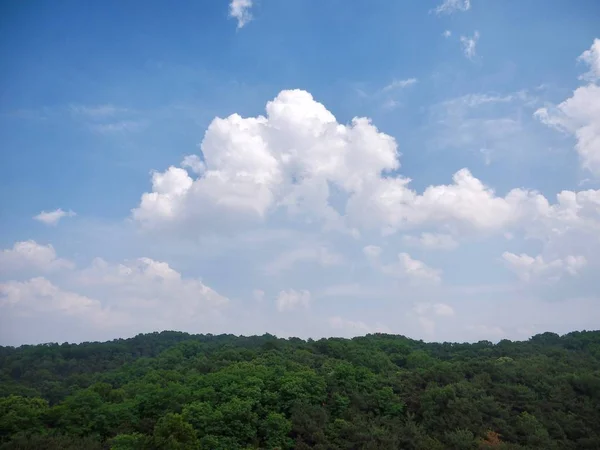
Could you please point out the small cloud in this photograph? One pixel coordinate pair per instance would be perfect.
(487, 155)
(240, 10)
(447, 34)
(469, 45)
(399, 84)
(452, 6)
(319, 255)
(53, 217)
(258, 295)
(194, 163)
(292, 299)
(406, 267)
(426, 313)
(432, 241)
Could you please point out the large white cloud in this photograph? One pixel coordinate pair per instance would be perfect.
(293, 157)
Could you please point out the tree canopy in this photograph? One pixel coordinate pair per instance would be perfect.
(174, 390)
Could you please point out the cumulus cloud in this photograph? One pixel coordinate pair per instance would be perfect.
(31, 256)
(53, 217)
(451, 6)
(469, 45)
(296, 157)
(240, 10)
(432, 241)
(527, 267)
(292, 299)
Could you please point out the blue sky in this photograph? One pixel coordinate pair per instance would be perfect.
(196, 166)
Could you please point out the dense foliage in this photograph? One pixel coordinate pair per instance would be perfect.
(178, 391)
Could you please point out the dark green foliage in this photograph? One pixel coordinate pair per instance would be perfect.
(173, 390)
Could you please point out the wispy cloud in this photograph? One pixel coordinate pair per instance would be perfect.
(469, 45)
(96, 112)
(399, 84)
(119, 126)
(452, 6)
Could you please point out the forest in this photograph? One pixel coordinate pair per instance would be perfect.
(173, 390)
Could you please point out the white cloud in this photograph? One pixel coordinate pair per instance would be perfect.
(451, 6)
(39, 296)
(447, 33)
(434, 309)
(343, 324)
(240, 10)
(140, 295)
(194, 163)
(53, 217)
(432, 241)
(285, 160)
(579, 115)
(290, 160)
(29, 255)
(469, 45)
(400, 84)
(415, 269)
(591, 57)
(406, 267)
(292, 299)
(527, 267)
(320, 255)
(427, 313)
(258, 295)
(150, 285)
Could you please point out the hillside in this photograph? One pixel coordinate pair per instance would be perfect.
(174, 390)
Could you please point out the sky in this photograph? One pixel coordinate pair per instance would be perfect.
(303, 168)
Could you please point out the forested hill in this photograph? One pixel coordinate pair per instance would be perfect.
(173, 390)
